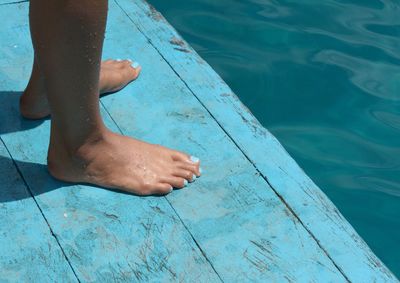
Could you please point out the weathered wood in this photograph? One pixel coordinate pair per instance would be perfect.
(166, 112)
(107, 234)
(317, 213)
(28, 251)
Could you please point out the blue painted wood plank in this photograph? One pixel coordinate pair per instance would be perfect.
(107, 236)
(310, 205)
(253, 223)
(28, 251)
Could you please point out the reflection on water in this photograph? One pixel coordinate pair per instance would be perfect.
(324, 77)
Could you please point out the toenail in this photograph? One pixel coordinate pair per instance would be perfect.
(118, 60)
(193, 178)
(171, 189)
(194, 159)
(135, 65)
(200, 170)
(129, 60)
(185, 182)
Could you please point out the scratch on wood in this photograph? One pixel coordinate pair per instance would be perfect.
(182, 49)
(257, 263)
(112, 216)
(225, 94)
(260, 246)
(157, 209)
(177, 41)
(154, 14)
(197, 143)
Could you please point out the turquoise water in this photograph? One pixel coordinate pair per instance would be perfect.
(324, 78)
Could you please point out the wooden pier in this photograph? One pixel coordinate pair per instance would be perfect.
(254, 215)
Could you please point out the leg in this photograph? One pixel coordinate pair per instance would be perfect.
(68, 39)
(114, 75)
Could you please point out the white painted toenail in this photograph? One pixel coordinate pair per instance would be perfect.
(194, 159)
(118, 60)
(193, 178)
(171, 189)
(135, 65)
(200, 170)
(185, 182)
(129, 60)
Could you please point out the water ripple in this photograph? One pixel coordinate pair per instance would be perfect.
(380, 79)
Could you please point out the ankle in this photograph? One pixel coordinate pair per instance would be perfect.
(75, 147)
(70, 162)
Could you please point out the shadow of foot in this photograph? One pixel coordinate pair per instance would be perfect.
(13, 173)
(13, 187)
(10, 118)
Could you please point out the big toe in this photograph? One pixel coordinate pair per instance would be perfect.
(130, 69)
(163, 189)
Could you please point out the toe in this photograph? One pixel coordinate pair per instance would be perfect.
(186, 174)
(136, 66)
(163, 189)
(176, 182)
(185, 162)
(184, 157)
(192, 167)
(124, 63)
(134, 72)
(180, 156)
(130, 69)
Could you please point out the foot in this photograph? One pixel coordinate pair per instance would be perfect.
(119, 162)
(114, 75)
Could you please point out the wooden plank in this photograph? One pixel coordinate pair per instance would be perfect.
(107, 236)
(248, 224)
(230, 212)
(310, 205)
(28, 251)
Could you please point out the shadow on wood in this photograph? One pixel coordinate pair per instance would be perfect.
(9, 194)
(11, 121)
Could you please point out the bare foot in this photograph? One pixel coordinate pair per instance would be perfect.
(119, 162)
(114, 75)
